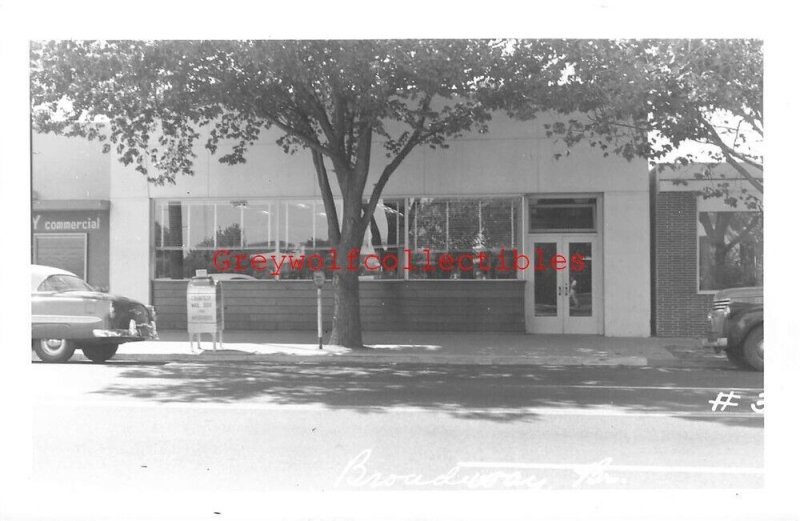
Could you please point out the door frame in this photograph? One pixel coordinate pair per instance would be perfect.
(598, 263)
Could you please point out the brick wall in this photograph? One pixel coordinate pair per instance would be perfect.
(679, 309)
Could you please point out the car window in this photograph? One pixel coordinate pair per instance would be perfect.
(64, 283)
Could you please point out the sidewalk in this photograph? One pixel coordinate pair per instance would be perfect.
(433, 347)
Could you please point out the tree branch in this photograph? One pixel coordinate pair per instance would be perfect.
(331, 215)
(413, 140)
(744, 233)
(321, 114)
(730, 154)
(311, 141)
(363, 155)
(386, 174)
(705, 220)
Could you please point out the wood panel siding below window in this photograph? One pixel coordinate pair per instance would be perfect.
(424, 305)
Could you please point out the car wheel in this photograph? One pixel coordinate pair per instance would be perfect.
(736, 357)
(99, 354)
(754, 348)
(53, 349)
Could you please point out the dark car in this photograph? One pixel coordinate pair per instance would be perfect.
(737, 326)
(68, 314)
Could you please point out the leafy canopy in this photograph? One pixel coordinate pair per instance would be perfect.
(151, 97)
(650, 98)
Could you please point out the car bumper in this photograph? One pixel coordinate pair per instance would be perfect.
(718, 344)
(133, 333)
(716, 328)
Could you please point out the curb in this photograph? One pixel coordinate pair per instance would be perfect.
(209, 357)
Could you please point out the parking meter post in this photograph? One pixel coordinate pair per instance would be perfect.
(319, 316)
(319, 281)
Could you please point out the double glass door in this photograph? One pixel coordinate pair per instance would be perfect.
(563, 284)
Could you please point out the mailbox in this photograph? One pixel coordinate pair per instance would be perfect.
(204, 313)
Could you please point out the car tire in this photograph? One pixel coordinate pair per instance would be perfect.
(99, 354)
(753, 348)
(736, 357)
(53, 350)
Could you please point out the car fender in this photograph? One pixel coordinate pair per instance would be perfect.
(741, 325)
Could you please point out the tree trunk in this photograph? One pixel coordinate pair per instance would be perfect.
(346, 310)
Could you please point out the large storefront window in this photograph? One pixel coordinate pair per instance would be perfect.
(731, 250)
(404, 239)
(187, 233)
(462, 229)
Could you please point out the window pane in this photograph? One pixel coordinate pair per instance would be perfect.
(320, 226)
(297, 225)
(387, 226)
(229, 231)
(463, 225)
(197, 260)
(201, 225)
(428, 224)
(169, 264)
(499, 228)
(580, 280)
(545, 302)
(385, 237)
(731, 250)
(259, 226)
(562, 214)
(171, 221)
(159, 223)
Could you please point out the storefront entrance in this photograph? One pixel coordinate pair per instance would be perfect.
(564, 290)
(563, 293)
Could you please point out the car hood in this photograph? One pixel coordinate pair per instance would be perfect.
(751, 294)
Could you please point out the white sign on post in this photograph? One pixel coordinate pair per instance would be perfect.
(202, 307)
(204, 312)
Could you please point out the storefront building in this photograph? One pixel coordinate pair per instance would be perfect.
(72, 235)
(702, 243)
(503, 194)
(70, 226)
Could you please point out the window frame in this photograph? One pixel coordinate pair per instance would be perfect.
(531, 203)
(280, 204)
(516, 227)
(697, 247)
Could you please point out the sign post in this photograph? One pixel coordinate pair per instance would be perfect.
(319, 281)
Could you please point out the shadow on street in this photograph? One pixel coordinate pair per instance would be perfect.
(466, 391)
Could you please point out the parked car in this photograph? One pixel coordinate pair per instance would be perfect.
(736, 325)
(69, 314)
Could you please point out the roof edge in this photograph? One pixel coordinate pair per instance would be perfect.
(72, 204)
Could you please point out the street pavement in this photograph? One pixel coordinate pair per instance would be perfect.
(423, 414)
(265, 426)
